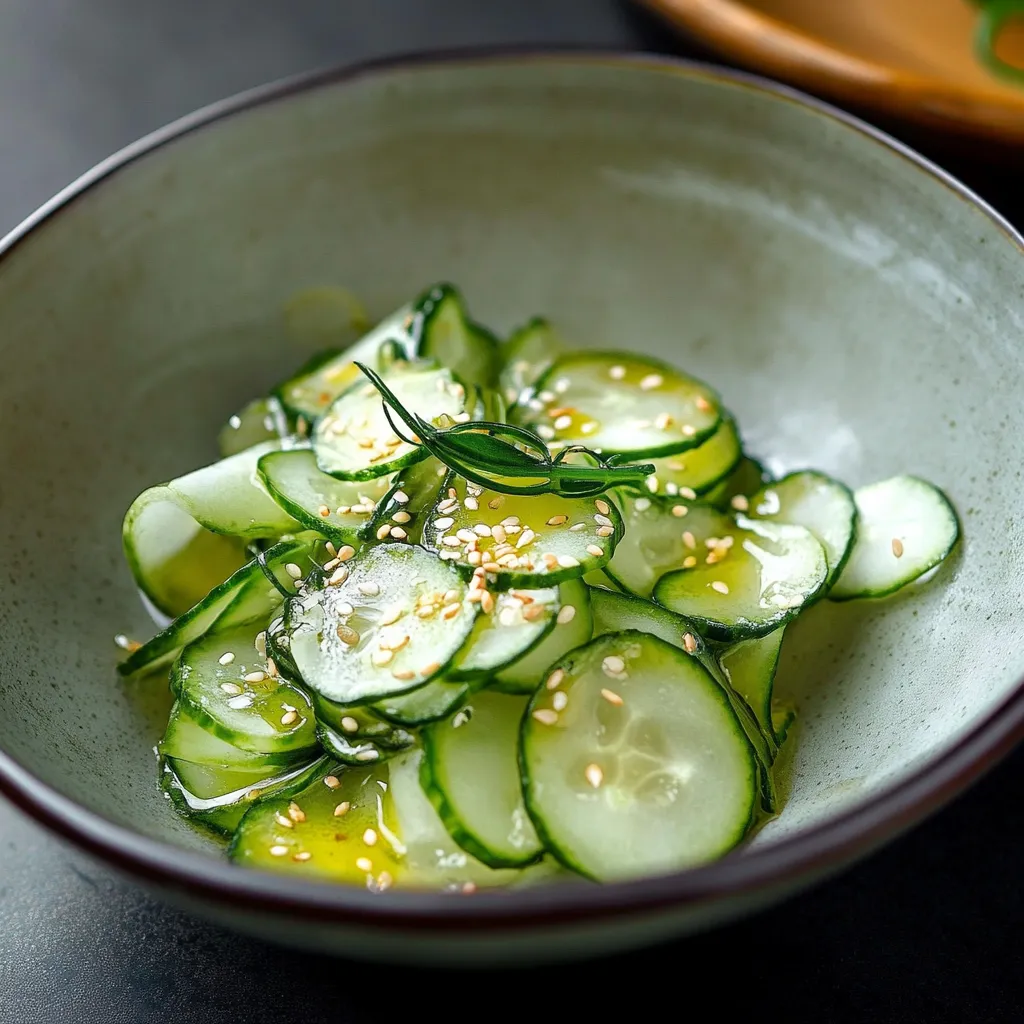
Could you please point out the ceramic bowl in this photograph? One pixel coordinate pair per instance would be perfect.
(857, 308)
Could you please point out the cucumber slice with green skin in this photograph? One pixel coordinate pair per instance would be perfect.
(360, 724)
(750, 668)
(395, 595)
(224, 682)
(661, 535)
(765, 576)
(906, 526)
(353, 440)
(744, 481)
(521, 541)
(693, 473)
(259, 422)
(308, 394)
(518, 621)
(187, 740)
(341, 826)
(527, 353)
(447, 334)
(470, 772)
(618, 403)
(405, 507)
(571, 630)
(183, 538)
(820, 504)
(439, 699)
(338, 509)
(350, 751)
(432, 859)
(659, 778)
(218, 797)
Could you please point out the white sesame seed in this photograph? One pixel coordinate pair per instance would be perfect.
(369, 589)
(688, 429)
(567, 561)
(450, 611)
(293, 570)
(566, 614)
(303, 856)
(255, 677)
(526, 537)
(594, 775)
(689, 643)
(688, 492)
(232, 689)
(346, 552)
(720, 587)
(589, 427)
(602, 506)
(482, 530)
(605, 531)
(612, 697)
(398, 533)
(545, 432)
(338, 576)
(349, 724)
(471, 503)
(452, 542)
(651, 381)
(740, 502)
(602, 520)
(401, 516)
(278, 851)
(555, 679)
(289, 717)
(663, 421)
(370, 837)
(367, 755)
(679, 511)
(295, 812)
(652, 484)
(508, 616)
(364, 864)
(617, 372)
(546, 716)
(613, 665)
(560, 700)
(642, 504)
(466, 536)
(689, 562)
(226, 659)
(383, 531)
(260, 643)
(324, 511)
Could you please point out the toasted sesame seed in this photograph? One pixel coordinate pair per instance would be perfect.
(495, 502)
(303, 856)
(689, 540)
(568, 562)
(593, 549)
(613, 665)
(366, 442)
(295, 812)
(566, 614)
(476, 595)
(491, 567)
(431, 668)
(550, 560)
(617, 372)
(720, 587)
(369, 589)
(226, 659)
(679, 511)
(293, 570)
(602, 506)
(594, 775)
(689, 562)
(897, 547)
(278, 851)
(332, 781)
(343, 510)
(289, 717)
(324, 511)
(555, 679)
(651, 381)
(740, 502)
(332, 564)
(255, 677)
(346, 552)
(338, 576)
(689, 642)
(612, 697)
(605, 531)
(384, 531)
(487, 603)
(403, 674)
(663, 421)
(367, 755)
(526, 537)
(557, 520)
(546, 716)
(342, 808)
(450, 611)
(533, 612)
(231, 688)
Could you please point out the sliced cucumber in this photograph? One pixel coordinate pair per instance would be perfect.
(750, 668)
(634, 762)
(439, 699)
(187, 740)
(517, 622)
(447, 334)
(521, 541)
(353, 439)
(744, 481)
(350, 750)
(820, 504)
(693, 473)
(219, 797)
(257, 423)
(405, 507)
(341, 826)
(336, 508)
(358, 724)
(183, 538)
(620, 403)
(470, 771)
(571, 630)
(224, 681)
(530, 349)
(309, 392)
(906, 527)
(766, 574)
(393, 619)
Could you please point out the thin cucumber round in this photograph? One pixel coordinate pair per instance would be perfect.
(906, 527)
(820, 504)
(446, 333)
(353, 440)
(693, 473)
(619, 403)
(393, 618)
(470, 771)
(572, 628)
(439, 699)
(224, 681)
(259, 422)
(765, 573)
(743, 482)
(750, 668)
(338, 509)
(521, 541)
(634, 762)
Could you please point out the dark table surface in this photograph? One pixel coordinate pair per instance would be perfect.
(927, 930)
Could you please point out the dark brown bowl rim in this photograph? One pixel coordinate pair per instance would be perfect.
(762, 871)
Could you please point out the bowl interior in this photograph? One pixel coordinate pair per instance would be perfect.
(858, 315)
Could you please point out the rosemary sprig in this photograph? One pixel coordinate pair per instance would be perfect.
(507, 458)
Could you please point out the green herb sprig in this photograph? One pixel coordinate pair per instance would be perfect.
(507, 458)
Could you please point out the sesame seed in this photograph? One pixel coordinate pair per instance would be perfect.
(367, 755)
(555, 679)
(401, 516)
(364, 864)
(617, 372)
(226, 659)
(495, 502)
(652, 484)
(740, 502)
(293, 570)
(663, 421)
(602, 506)
(338, 576)
(563, 423)
(642, 504)
(278, 851)
(380, 658)
(566, 614)
(498, 533)
(369, 589)
(450, 611)
(508, 616)
(612, 697)
(605, 531)
(451, 542)
(295, 812)
(594, 775)
(651, 381)
(546, 716)
(401, 497)
(688, 430)
(403, 674)
(720, 587)
(303, 856)
(231, 688)
(476, 595)
(526, 537)
(589, 427)
(557, 520)
(689, 642)
(346, 552)
(466, 536)
(324, 511)
(568, 562)
(688, 492)
(576, 527)
(679, 511)
(550, 560)
(370, 837)
(593, 549)
(332, 564)
(471, 503)
(260, 643)
(482, 530)
(431, 669)
(332, 781)
(289, 717)
(255, 677)
(349, 724)
(613, 665)
(689, 540)
(689, 562)
(343, 608)
(343, 510)
(533, 612)
(384, 531)
(342, 808)
(602, 520)
(702, 403)
(392, 615)
(487, 603)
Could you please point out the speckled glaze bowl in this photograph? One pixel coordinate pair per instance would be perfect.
(859, 310)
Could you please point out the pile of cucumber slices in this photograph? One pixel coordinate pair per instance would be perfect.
(454, 612)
